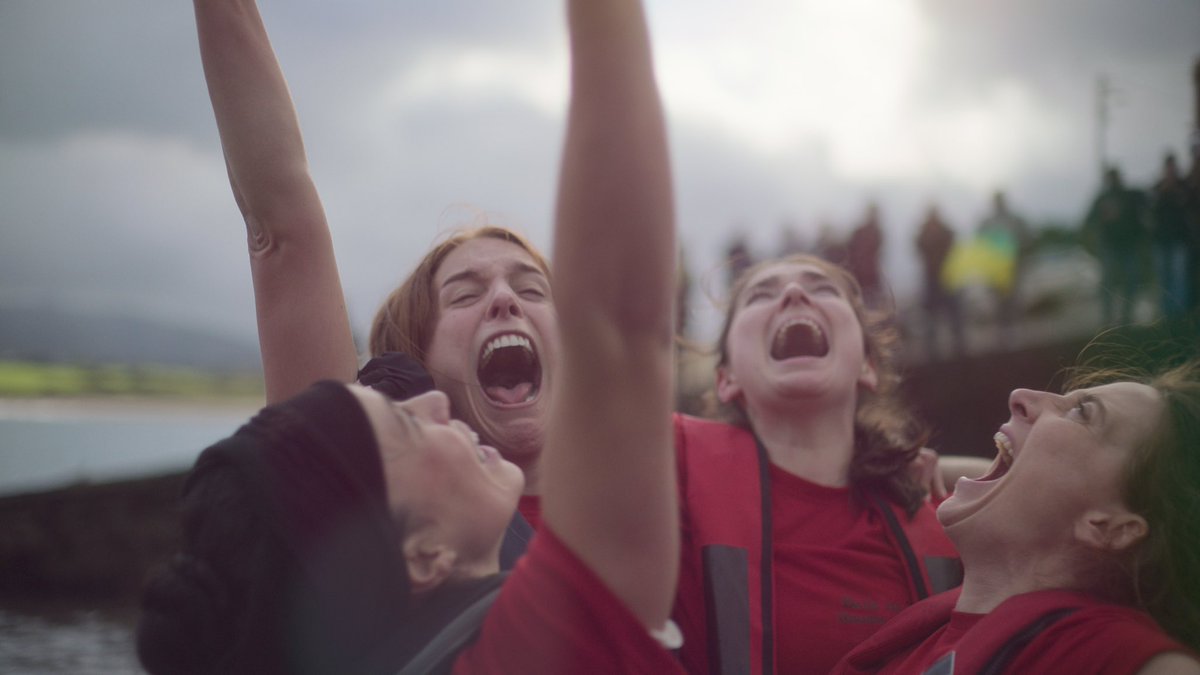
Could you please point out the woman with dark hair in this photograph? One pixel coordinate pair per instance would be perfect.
(1085, 533)
(341, 532)
(804, 527)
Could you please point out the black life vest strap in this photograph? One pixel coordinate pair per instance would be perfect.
(1009, 651)
(726, 570)
(439, 654)
(727, 602)
(910, 557)
(766, 582)
(516, 540)
(1005, 653)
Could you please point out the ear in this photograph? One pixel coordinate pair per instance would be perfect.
(728, 388)
(867, 377)
(1108, 531)
(429, 561)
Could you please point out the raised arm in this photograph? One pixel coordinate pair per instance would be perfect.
(608, 465)
(303, 328)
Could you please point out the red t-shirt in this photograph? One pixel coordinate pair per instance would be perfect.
(530, 506)
(1103, 640)
(837, 577)
(554, 615)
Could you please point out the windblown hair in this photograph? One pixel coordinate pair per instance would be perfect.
(407, 318)
(290, 559)
(887, 436)
(1160, 573)
(198, 612)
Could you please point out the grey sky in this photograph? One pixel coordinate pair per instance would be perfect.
(418, 115)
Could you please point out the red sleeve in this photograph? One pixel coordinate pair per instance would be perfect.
(1106, 640)
(555, 615)
(689, 611)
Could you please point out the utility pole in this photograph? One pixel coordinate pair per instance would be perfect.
(1196, 93)
(1196, 123)
(1103, 97)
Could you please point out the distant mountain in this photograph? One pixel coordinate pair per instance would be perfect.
(52, 334)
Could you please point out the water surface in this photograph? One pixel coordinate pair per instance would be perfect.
(81, 642)
(50, 443)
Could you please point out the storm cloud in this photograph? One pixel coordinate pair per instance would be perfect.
(419, 116)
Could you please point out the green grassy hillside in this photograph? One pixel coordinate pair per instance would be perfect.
(21, 379)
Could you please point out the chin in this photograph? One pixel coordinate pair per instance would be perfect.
(952, 511)
(519, 441)
(518, 487)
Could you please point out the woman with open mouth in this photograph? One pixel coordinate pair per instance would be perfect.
(476, 313)
(803, 526)
(1081, 546)
(342, 532)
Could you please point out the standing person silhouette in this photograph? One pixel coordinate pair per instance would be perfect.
(1170, 239)
(1114, 228)
(1009, 234)
(934, 241)
(864, 249)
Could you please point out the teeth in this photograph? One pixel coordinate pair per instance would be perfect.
(506, 341)
(1004, 446)
(803, 320)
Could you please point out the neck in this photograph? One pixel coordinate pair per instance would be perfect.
(814, 442)
(990, 579)
(528, 458)
(532, 486)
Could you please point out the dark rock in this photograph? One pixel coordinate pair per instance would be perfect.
(92, 544)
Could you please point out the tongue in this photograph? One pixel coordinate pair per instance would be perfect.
(517, 393)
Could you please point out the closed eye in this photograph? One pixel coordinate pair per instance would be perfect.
(407, 420)
(757, 294)
(1084, 408)
(461, 298)
(461, 289)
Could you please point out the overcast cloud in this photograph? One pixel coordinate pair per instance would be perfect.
(419, 115)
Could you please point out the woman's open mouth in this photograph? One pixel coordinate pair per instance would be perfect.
(509, 371)
(799, 337)
(1004, 459)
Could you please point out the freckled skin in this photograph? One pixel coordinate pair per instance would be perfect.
(487, 287)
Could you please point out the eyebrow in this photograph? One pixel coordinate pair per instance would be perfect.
(516, 269)
(775, 280)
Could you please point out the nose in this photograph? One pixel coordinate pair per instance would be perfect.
(432, 406)
(504, 303)
(1027, 404)
(794, 293)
